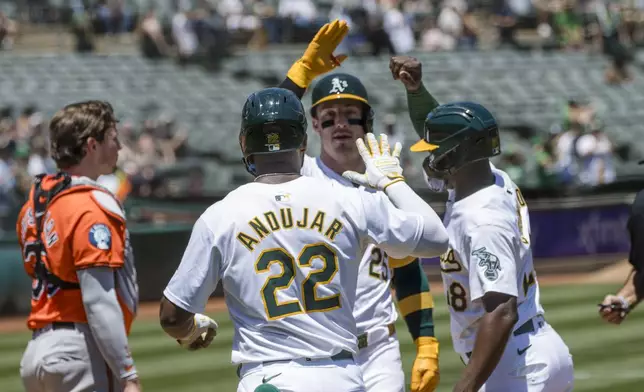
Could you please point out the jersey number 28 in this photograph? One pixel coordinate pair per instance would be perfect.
(457, 297)
(310, 301)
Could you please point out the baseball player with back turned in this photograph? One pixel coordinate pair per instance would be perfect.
(76, 248)
(341, 114)
(285, 248)
(497, 322)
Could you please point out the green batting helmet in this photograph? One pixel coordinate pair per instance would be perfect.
(457, 134)
(273, 120)
(343, 86)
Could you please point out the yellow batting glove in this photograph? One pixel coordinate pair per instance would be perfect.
(424, 373)
(318, 58)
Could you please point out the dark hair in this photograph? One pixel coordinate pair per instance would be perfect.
(71, 126)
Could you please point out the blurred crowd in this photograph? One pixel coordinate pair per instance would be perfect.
(575, 153)
(205, 30)
(8, 31)
(147, 150)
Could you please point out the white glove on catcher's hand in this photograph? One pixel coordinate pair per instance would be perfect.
(205, 330)
(382, 167)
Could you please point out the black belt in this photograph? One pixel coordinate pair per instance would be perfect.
(526, 327)
(55, 326)
(344, 354)
(363, 339)
(63, 325)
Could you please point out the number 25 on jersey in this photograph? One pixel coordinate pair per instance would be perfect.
(310, 301)
(378, 262)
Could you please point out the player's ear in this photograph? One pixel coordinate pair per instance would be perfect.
(90, 144)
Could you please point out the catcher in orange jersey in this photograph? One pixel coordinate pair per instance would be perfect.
(76, 249)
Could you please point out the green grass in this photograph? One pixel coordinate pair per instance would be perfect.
(607, 358)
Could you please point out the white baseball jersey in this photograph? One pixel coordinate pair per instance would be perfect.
(374, 303)
(489, 235)
(287, 257)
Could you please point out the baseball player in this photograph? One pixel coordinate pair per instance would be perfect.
(497, 322)
(342, 114)
(285, 248)
(73, 236)
(615, 308)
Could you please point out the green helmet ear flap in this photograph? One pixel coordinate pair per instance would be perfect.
(250, 166)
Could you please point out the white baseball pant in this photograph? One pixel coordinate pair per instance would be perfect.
(380, 361)
(297, 375)
(533, 361)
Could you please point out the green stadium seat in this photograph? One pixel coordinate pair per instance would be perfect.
(517, 87)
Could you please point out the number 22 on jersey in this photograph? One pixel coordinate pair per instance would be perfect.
(310, 301)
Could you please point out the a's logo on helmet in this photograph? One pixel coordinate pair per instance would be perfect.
(273, 138)
(338, 85)
(273, 141)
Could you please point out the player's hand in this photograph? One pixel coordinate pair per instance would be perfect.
(132, 385)
(424, 373)
(382, 166)
(614, 309)
(204, 332)
(318, 58)
(408, 70)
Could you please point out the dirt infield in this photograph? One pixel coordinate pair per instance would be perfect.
(615, 273)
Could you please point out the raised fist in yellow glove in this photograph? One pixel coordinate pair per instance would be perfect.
(424, 373)
(318, 58)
